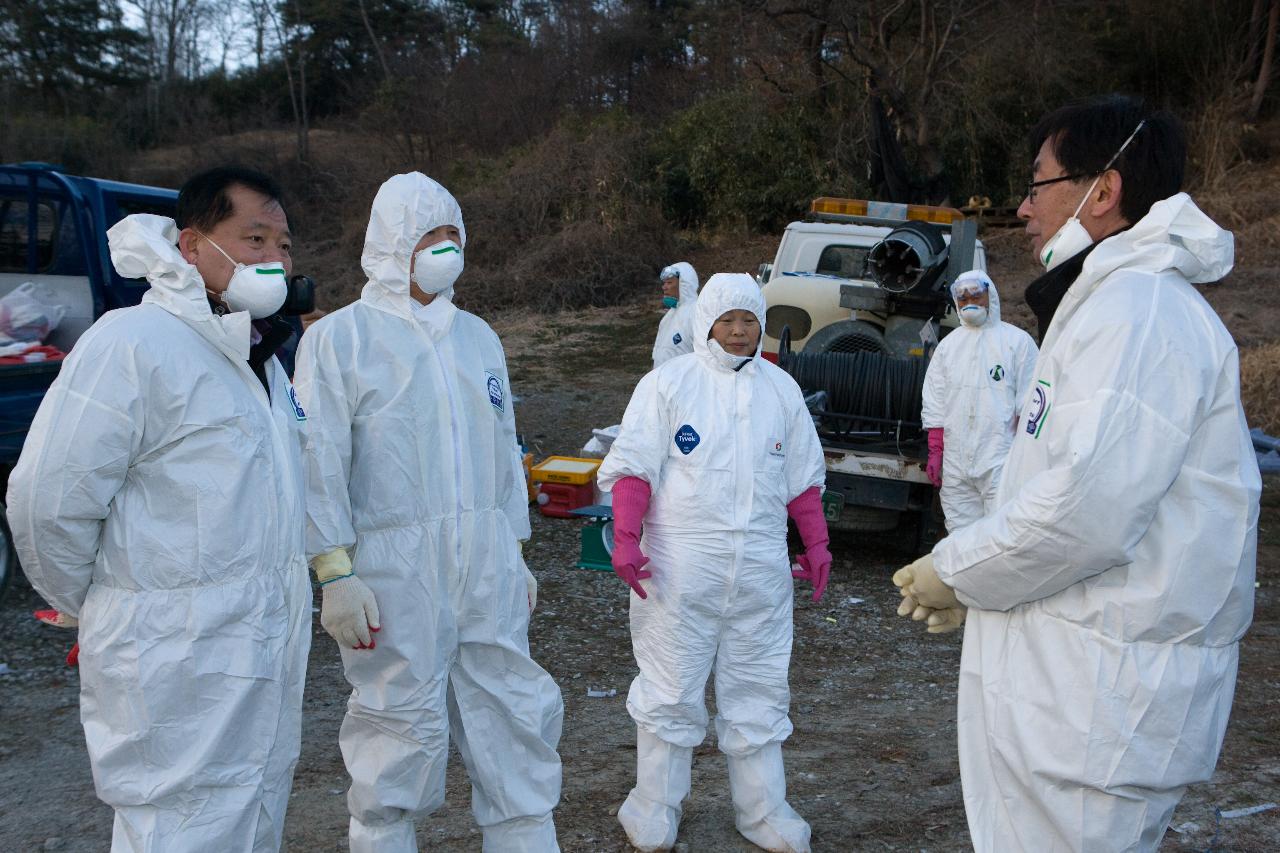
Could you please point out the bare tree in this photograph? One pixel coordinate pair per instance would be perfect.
(170, 27)
(1266, 70)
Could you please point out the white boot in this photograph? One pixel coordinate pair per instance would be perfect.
(397, 837)
(651, 814)
(763, 816)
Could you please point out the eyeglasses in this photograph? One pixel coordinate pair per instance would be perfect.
(1032, 186)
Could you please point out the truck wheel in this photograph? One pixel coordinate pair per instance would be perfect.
(866, 519)
(8, 557)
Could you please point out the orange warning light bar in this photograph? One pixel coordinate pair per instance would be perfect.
(883, 210)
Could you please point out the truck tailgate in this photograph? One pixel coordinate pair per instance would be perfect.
(881, 465)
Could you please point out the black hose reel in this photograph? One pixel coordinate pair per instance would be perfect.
(869, 394)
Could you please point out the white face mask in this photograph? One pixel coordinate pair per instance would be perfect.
(1072, 238)
(437, 267)
(974, 315)
(259, 289)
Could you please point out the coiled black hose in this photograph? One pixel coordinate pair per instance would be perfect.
(875, 392)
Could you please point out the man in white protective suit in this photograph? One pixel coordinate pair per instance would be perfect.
(417, 509)
(159, 501)
(679, 296)
(722, 443)
(976, 377)
(1108, 591)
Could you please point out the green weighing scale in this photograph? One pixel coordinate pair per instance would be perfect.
(597, 538)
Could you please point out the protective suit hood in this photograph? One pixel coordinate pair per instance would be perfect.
(406, 207)
(993, 310)
(144, 245)
(688, 282)
(723, 292)
(1174, 236)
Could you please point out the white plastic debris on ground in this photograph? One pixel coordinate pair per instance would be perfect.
(1245, 812)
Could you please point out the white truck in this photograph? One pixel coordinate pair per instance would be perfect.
(857, 295)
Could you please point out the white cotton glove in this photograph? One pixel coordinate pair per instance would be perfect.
(349, 612)
(530, 582)
(920, 583)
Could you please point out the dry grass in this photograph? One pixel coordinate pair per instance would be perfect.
(1260, 386)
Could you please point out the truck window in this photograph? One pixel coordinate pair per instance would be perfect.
(843, 261)
(127, 206)
(15, 236)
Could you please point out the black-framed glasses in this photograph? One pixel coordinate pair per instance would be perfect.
(1032, 186)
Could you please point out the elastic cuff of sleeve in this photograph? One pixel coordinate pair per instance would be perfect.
(332, 566)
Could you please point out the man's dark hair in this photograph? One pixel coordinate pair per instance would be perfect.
(1086, 134)
(203, 201)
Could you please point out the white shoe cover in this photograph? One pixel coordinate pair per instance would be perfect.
(763, 816)
(651, 814)
(395, 837)
(521, 835)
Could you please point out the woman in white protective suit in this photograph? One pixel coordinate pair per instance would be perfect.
(417, 509)
(1108, 591)
(159, 501)
(715, 451)
(675, 329)
(976, 378)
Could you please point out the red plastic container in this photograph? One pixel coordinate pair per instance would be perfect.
(558, 499)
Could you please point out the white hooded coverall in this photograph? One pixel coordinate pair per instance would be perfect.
(159, 499)
(1109, 591)
(977, 377)
(675, 329)
(413, 463)
(724, 452)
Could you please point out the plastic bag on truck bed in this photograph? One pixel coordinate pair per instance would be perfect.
(601, 441)
(29, 313)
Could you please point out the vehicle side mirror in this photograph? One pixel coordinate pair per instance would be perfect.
(763, 273)
(301, 298)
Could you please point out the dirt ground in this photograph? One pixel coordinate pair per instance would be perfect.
(872, 763)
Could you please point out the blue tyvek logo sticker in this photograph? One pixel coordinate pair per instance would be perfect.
(298, 414)
(495, 391)
(676, 339)
(687, 439)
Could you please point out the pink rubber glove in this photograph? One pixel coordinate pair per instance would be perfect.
(933, 470)
(630, 503)
(815, 562)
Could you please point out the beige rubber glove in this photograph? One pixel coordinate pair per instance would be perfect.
(921, 583)
(909, 607)
(348, 611)
(946, 621)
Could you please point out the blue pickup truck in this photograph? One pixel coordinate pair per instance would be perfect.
(53, 230)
